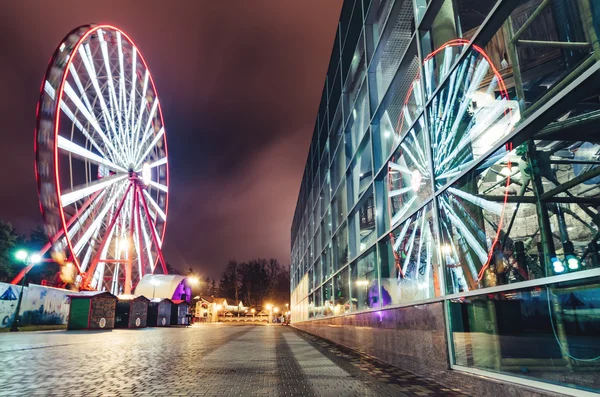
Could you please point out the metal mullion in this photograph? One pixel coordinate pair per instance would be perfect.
(579, 275)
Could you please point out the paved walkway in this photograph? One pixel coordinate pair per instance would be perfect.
(203, 360)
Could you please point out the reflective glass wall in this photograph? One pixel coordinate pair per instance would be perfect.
(455, 156)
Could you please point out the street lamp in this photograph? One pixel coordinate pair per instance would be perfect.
(27, 260)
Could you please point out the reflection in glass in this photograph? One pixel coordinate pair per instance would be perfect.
(342, 292)
(364, 283)
(549, 333)
(408, 179)
(360, 174)
(471, 112)
(410, 260)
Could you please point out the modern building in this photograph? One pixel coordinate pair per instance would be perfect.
(448, 216)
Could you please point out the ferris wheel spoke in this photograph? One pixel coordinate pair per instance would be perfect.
(147, 129)
(131, 105)
(159, 186)
(107, 67)
(147, 241)
(154, 164)
(83, 213)
(65, 108)
(143, 102)
(83, 191)
(81, 152)
(86, 56)
(155, 205)
(150, 147)
(90, 118)
(97, 222)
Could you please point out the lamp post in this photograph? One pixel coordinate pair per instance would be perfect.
(270, 309)
(27, 260)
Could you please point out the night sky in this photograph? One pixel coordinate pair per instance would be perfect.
(239, 84)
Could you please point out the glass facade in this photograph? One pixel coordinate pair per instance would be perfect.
(456, 157)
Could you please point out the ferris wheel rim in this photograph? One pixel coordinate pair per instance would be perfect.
(64, 232)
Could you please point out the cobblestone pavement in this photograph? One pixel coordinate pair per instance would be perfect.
(203, 360)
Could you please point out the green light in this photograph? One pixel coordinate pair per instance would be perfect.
(572, 262)
(558, 265)
(21, 255)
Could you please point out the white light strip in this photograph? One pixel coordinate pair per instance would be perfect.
(67, 145)
(96, 224)
(143, 102)
(85, 133)
(156, 163)
(77, 225)
(159, 186)
(132, 96)
(91, 119)
(49, 89)
(152, 144)
(155, 205)
(147, 130)
(121, 73)
(146, 240)
(89, 66)
(71, 197)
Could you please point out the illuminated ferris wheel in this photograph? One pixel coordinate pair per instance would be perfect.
(101, 160)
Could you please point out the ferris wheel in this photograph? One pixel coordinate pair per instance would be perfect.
(101, 160)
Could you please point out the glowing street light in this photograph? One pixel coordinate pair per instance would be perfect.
(276, 310)
(27, 260)
(194, 280)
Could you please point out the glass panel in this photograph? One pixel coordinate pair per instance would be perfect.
(358, 122)
(324, 166)
(404, 107)
(328, 298)
(408, 177)
(487, 239)
(339, 206)
(394, 48)
(318, 303)
(355, 75)
(317, 243)
(337, 129)
(542, 66)
(365, 286)
(410, 260)
(342, 292)
(470, 114)
(338, 169)
(340, 247)
(360, 174)
(311, 306)
(378, 14)
(327, 263)
(317, 273)
(363, 226)
(549, 333)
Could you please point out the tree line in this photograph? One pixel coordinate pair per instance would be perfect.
(254, 282)
(11, 241)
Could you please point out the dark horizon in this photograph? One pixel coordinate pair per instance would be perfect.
(239, 88)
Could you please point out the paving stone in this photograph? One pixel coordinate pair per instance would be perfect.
(203, 360)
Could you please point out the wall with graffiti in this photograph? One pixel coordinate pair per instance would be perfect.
(40, 306)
